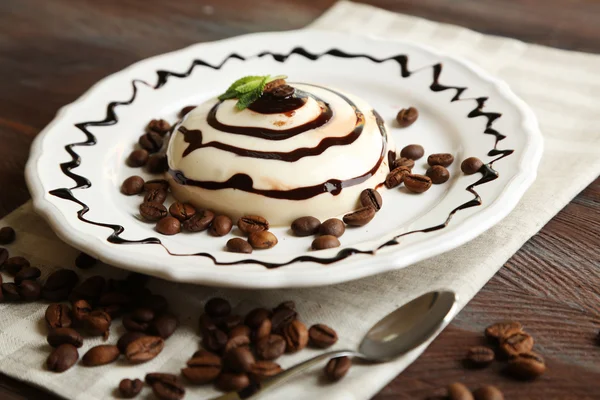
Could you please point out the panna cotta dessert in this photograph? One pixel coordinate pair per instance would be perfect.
(288, 151)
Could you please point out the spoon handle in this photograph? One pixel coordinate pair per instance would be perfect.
(285, 375)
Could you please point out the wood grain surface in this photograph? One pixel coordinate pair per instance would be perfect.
(52, 51)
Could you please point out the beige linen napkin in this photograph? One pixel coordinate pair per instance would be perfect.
(562, 88)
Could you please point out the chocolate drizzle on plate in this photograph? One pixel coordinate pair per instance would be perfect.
(489, 174)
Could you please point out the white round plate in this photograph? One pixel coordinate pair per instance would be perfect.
(77, 163)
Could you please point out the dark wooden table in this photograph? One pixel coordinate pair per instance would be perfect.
(52, 51)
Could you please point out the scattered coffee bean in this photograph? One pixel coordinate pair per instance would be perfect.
(396, 177)
(252, 223)
(156, 302)
(337, 368)
(97, 322)
(262, 240)
(407, 116)
(325, 242)
(157, 163)
(156, 184)
(62, 358)
(498, 330)
(168, 226)
(200, 221)
(7, 235)
(81, 308)
(114, 298)
(471, 165)
(333, 227)
(58, 336)
(270, 347)
(417, 183)
(235, 342)
(128, 338)
(132, 185)
(156, 196)
(228, 382)
(155, 377)
(130, 388)
(206, 324)
(214, 340)
(262, 369)
(159, 126)
(139, 320)
(371, 198)
(14, 264)
(438, 174)
(413, 151)
(239, 359)
(182, 211)
(282, 318)
(100, 355)
(443, 159)
(296, 336)
(240, 330)
(221, 225)
(203, 368)
(137, 158)
(185, 110)
(322, 336)
(90, 289)
(217, 307)
(239, 245)
(516, 342)
(403, 162)
(4, 255)
(458, 391)
(262, 330)
(27, 273)
(360, 217)
(480, 356)
(153, 211)
(255, 317)
(10, 292)
(305, 226)
(85, 261)
(164, 325)
(488, 393)
(527, 365)
(228, 322)
(151, 141)
(59, 284)
(144, 348)
(29, 290)
(58, 316)
(168, 390)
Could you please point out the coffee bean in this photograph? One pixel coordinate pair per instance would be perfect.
(153, 211)
(3, 256)
(182, 211)
(488, 393)
(471, 165)
(322, 336)
(417, 183)
(7, 235)
(270, 347)
(137, 158)
(203, 368)
(360, 217)
(221, 225)
(144, 348)
(262, 240)
(100, 355)
(438, 174)
(407, 116)
(239, 245)
(289, 304)
(403, 162)
(228, 322)
(151, 141)
(282, 318)
(157, 163)
(114, 298)
(132, 185)
(255, 317)
(133, 325)
(156, 302)
(516, 342)
(252, 223)
(29, 290)
(480, 356)
(262, 330)
(235, 342)
(229, 382)
(58, 336)
(500, 329)
(443, 159)
(200, 221)
(156, 184)
(157, 196)
(185, 110)
(214, 340)
(239, 359)
(217, 307)
(164, 325)
(159, 126)
(62, 358)
(333, 227)
(10, 292)
(296, 336)
(240, 331)
(90, 289)
(97, 322)
(458, 391)
(337, 368)
(59, 284)
(262, 369)
(527, 365)
(58, 316)
(305, 226)
(168, 390)
(156, 377)
(325, 242)
(14, 264)
(396, 177)
(130, 388)
(371, 198)
(81, 308)
(168, 226)
(85, 261)
(412, 151)
(27, 273)
(206, 324)
(126, 339)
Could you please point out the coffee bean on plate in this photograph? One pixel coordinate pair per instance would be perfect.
(27, 273)
(305, 226)
(396, 176)
(412, 151)
(371, 198)
(270, 347)
(240, 330)
(282, 90)
(29, 290)
(438, 174)
(153, 211)
(159, 126)
(407, 116)
(296, 336)
(156, 196)
(471, 165)
(185, 110)
(322, 336)
(168, 389)
(239, 359)
(164, 325)
(332, 226)
(417, 183)
(200, 221)
(527, 365)
(127, 338)
(214, 340)
(217, 307)
(262, 240)
(443, 159)
(132, 185)
(62, 358)
(85, 261)
(500, 329)
(458, 391)
(168, 226)
(59, 284)
(182, 211)
(360, 217)
(252, 223)
(151, 141)
(58, 336)
(157, 163)
(202, 368)
(130, 388)
(100, 355)
(13, 265)
(144, 348)
(137, 158)
(239, 245)
(516, 342)
(10, 292)
(263, 369)
(282, 318)
(228, 382)
(488, 393)
(97, 322)
(156, 184)
(403, 162)
(480, 356)
(7, 235)
(221, 225)
(58, 316)
(325, 242)
(337, 368)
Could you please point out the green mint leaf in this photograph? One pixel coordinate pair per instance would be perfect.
(251, 96)
(242, 81)
(248, 89)
(249, 86)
